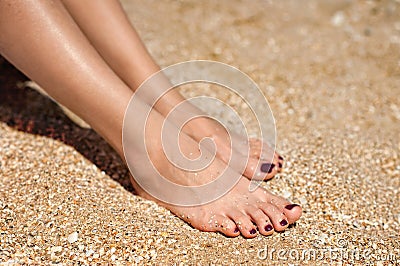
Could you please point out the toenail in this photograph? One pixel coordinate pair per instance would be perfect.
(268, 227)
(291, 206)
(253, 231)
(280, 165)
(280, 157)
(283, 222)
(267, 167)
(236, 230)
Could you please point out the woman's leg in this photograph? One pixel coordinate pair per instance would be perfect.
(43, 41)
(122, 49)
(109, 30)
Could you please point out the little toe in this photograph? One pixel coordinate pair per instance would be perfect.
(228, 227)
(218, 223)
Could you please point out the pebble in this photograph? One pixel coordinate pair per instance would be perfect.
(56, 249)
(338, 18)
(89, 253)
(112, 250)
(72, 238)
(302, 200)
(138, 259)
(287, 194)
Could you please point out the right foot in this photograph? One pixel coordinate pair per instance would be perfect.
(263, 163)
(239, 211)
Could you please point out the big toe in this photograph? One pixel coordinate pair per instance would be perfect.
(280, 211)
(293, 212)
(259, 170)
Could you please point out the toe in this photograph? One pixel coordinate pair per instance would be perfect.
(268, 229)
(217, 223)
(279, 161)
(263, 164)
(227, 227)
(279, 220)
(244, 224)
(262, 221)
(255, 147)
(293, 212)
(269, 169)
(253, 170)
(260, 170)
(269, 156)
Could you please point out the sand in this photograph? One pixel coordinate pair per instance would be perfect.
(331, 71)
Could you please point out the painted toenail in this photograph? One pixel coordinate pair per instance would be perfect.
(280, 158)
(267, 167)
(236, 230)
(283, 222)
(268, 227)
(253, 231)
(291, 206)
(280, 165)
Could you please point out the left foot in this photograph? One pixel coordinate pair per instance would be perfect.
(238, 211)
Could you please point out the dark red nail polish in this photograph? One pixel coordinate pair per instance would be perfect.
(236, 230)
(268, 227)
(253, 231)
(267, 167)
(291, 206)
(280, 165)
(283, 222)
(280, 158)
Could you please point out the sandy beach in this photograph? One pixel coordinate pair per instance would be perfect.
(331, 73)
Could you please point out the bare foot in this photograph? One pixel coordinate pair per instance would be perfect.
(238, 211)
(263, 162)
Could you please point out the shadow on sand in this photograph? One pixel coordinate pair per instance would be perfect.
(27, 110)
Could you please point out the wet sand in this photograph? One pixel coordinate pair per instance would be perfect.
(331, 72)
